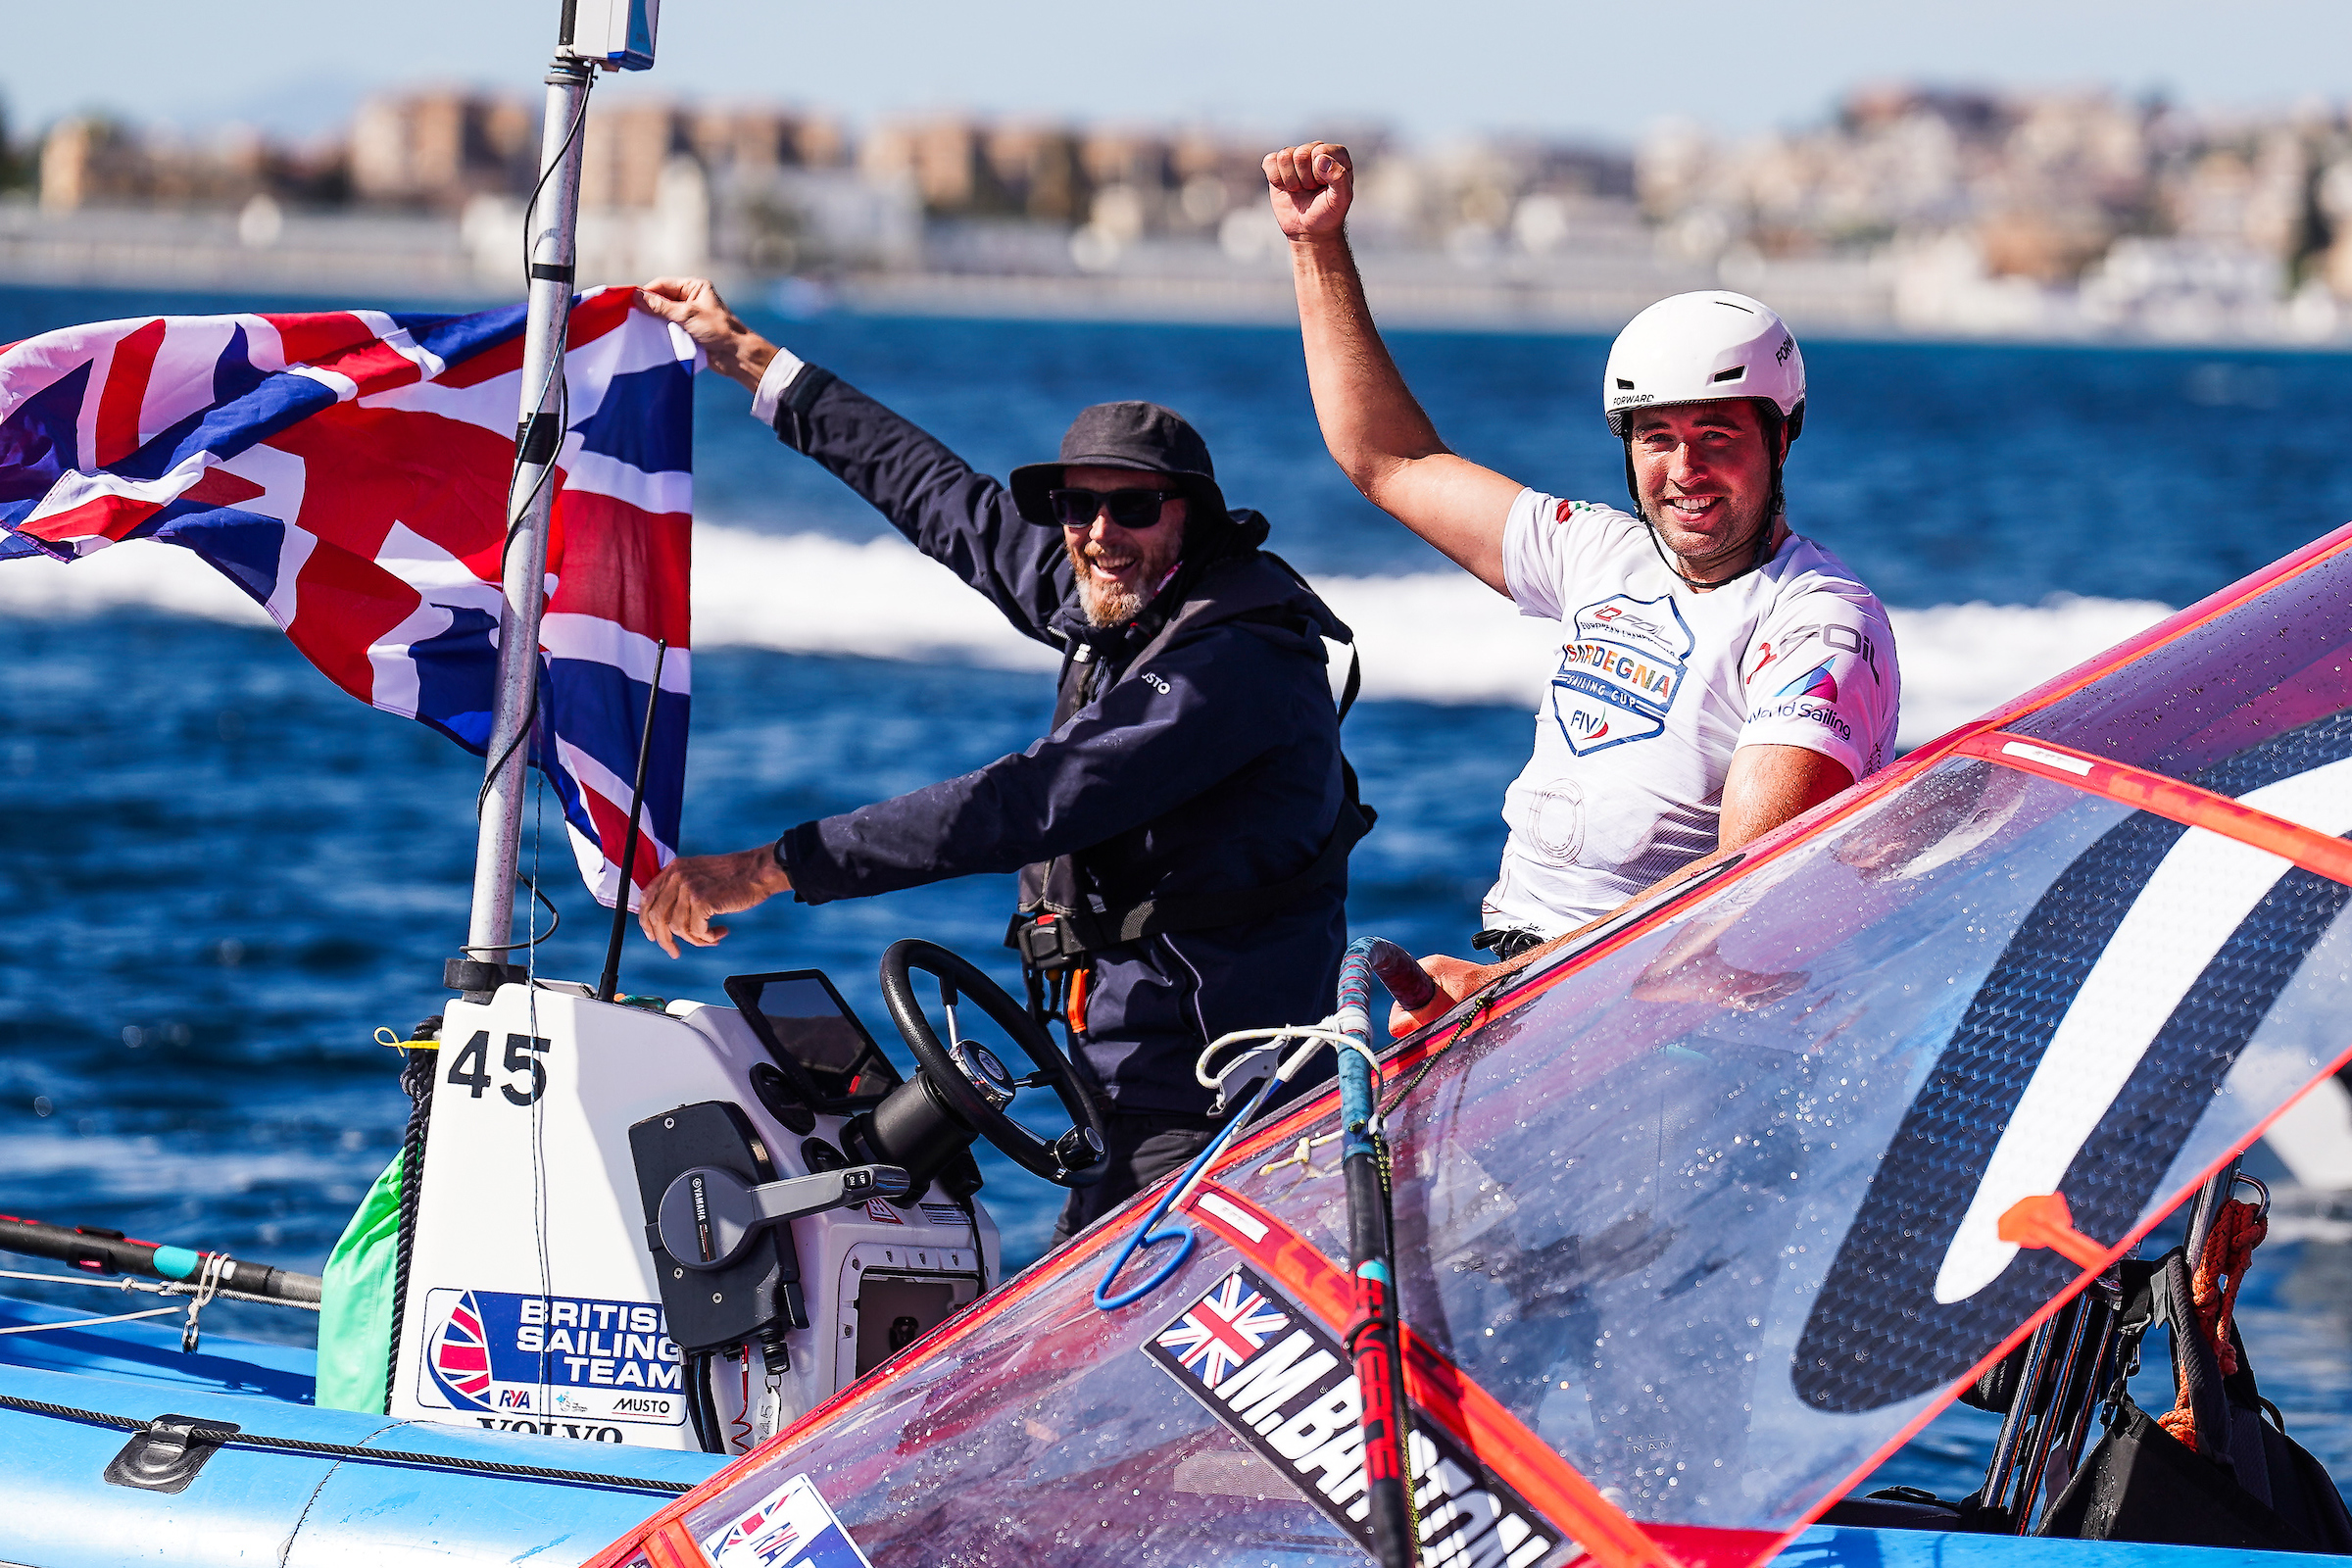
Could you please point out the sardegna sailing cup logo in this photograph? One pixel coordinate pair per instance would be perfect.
(1621, 672)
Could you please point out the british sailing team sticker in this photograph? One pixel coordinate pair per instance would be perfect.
(564, 1366)
(792, 1527)
(1278, 1379)
(1621, 674)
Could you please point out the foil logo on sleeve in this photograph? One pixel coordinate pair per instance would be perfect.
(1280, 1381)
(557, 1365)
(1620, 675)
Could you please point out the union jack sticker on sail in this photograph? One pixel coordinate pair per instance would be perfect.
(349, 469)
(1281, 1384)
(1224, 1329)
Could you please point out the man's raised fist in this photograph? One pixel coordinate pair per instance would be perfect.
(1311, 187)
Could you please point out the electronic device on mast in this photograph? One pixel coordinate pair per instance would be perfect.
(617, 34)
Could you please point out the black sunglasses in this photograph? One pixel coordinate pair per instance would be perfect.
(1129, 508)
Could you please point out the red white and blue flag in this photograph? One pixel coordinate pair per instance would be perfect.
(461, 1353)
(349, 469)
(1225, 1328)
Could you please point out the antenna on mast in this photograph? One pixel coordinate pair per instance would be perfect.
(610, 984)
(617, 35)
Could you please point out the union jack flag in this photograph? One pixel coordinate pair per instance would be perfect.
(348, 471)
(1225, 1328)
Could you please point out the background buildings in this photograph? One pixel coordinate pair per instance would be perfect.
(1914, 209)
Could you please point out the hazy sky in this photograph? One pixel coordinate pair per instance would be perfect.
(1595, 71)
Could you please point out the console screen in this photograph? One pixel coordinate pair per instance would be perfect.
(806, 1021)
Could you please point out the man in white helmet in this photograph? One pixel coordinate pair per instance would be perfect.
(1719, 674)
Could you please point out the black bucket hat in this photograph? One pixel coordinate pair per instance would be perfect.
(1125, 435)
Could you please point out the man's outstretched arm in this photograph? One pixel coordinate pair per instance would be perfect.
(1131, 756)
(960, 518)
(1766, 786)
(1377, 434)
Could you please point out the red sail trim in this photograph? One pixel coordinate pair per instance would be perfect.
(1706, 1547)
(673, 1546)
(1474, 1417)
(1088, 1248)
(2170, 798)
(2170, 630)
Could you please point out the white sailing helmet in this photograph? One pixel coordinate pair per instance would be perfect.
(1706, 347)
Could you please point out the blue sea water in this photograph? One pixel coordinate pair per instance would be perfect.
(222, 875)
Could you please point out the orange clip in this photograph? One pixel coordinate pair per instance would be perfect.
(2047, 1221)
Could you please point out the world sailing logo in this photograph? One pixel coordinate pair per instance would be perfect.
(1620, 675)
(1817, 684)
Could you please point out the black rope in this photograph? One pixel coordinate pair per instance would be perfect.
(348, 1450)
(555, 916)
(701, 1409)
(417, 1079)
(1478, 1016)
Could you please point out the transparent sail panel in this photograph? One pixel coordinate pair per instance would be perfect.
(2282, 662)
(1631, 1209)
(1719, 1216)
(1716, 1215)
(1051, 1439)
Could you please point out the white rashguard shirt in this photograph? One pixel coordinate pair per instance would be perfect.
(1656, 687)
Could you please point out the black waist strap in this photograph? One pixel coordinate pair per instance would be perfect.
(1051, 931)
(1197, 911)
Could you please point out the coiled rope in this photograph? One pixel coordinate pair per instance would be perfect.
(2237, 1230)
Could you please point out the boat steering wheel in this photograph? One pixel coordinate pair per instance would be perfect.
(972, 1085)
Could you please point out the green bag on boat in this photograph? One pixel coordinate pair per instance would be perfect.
(355, 1302)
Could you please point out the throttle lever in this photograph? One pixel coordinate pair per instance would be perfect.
(709, 1215)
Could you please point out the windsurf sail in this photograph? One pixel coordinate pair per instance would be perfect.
(1698, 1225)
(349, 469)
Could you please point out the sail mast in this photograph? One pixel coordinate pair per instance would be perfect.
(617, 35)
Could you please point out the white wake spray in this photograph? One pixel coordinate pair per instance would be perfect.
(1430, 637)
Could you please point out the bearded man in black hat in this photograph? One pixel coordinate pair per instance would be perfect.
(1182, 833)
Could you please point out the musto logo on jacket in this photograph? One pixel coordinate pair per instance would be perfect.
(1619, 677)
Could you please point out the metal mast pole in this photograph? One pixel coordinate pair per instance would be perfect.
(553, 219)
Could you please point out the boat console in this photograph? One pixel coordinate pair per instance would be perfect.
(683, 1227)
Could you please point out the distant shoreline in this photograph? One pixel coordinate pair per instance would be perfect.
(371, 261)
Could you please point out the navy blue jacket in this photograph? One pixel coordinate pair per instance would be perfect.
(1213, 768)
